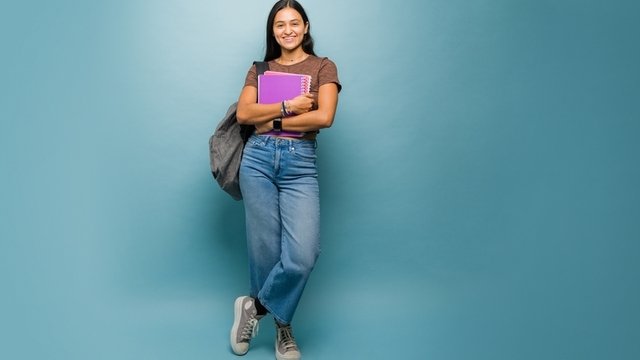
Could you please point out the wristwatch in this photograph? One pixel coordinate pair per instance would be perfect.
(277, 124)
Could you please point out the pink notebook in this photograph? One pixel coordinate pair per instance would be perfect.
(276, 87)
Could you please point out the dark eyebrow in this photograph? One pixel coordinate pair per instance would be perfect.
(292, 20)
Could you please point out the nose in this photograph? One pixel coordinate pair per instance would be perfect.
(288, 29)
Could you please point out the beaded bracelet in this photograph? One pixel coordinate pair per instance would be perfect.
(283, 109)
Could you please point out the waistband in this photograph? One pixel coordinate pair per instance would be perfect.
(266, 139)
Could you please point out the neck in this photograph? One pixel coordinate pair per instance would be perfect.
(292, 56)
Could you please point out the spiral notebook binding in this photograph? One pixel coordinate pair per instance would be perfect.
(305, 84)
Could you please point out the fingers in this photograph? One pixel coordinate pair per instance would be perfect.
(302, 104)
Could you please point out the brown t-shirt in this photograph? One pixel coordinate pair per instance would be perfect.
(321, 69)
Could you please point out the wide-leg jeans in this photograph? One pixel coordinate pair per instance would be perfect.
(279, 183)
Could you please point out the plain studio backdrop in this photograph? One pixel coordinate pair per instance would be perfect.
(479, 186)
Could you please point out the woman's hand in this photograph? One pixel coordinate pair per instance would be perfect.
(301, 104)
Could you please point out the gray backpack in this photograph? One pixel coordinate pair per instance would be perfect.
(226, 146)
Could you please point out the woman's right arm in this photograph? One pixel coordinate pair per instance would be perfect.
(250, 112)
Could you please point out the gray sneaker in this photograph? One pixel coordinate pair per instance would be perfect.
(245, 324)
(286, 347)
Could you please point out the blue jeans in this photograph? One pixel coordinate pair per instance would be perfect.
(279, 183)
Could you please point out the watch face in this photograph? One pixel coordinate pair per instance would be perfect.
(277, 124)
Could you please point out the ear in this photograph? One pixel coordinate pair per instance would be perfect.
(306, 27)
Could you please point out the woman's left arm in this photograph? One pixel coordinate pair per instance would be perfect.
(312, 120)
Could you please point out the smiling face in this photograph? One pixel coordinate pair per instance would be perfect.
(289, 29)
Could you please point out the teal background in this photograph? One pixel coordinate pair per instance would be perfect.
(479, 186)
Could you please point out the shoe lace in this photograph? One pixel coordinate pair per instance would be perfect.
(286, 338)
(250, 329)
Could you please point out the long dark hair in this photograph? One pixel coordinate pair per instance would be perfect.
(273, 50)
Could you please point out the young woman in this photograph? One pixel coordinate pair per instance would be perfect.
(278, 179)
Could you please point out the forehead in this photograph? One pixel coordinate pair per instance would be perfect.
(287, 14)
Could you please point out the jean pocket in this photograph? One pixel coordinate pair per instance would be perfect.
(306, 153)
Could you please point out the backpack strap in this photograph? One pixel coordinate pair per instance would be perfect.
(247, 130)
(261, 67)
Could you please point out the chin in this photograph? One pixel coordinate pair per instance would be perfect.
(290, 46)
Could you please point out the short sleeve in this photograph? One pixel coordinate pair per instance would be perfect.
(328, 73)
(252, 78)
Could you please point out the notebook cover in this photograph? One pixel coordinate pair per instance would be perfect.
(274, 88)
(271, 72)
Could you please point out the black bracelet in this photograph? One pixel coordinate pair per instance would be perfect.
(283, 109)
